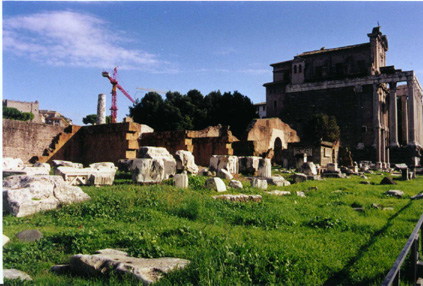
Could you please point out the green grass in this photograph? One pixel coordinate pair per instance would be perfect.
(289, 240)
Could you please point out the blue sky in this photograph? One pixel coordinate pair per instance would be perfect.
(54, 52)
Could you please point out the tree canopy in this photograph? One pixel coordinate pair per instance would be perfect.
(193, 111)
(92, 119)
(13, 113)
(322, 127)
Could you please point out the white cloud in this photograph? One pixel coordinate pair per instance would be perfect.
(66, 38)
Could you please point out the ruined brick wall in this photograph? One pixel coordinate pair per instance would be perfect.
(171, 140)
(26, 139)
(101, 143)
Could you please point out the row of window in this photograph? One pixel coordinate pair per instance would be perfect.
(300, 68)
(340, 68)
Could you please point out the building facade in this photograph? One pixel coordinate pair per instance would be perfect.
(377, 107)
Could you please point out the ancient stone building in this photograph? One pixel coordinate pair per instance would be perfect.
(23, 106)
(377, 107)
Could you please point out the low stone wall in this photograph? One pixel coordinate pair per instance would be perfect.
(26, 139)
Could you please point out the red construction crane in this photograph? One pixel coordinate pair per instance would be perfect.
(115, 84)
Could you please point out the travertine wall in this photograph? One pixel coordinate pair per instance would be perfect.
(26, 139)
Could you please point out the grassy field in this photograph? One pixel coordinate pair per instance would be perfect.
(317, 240)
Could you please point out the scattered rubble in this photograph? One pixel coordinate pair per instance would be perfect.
(103, 262)
(239, 198)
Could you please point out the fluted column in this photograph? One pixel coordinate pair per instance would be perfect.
(376, 125)
(404, 117)
(411, 113)
(393, 113)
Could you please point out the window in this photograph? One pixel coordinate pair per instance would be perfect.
(275, 104)
(300, 68)
(295, 69)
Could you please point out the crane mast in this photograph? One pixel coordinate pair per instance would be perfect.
(115, 86)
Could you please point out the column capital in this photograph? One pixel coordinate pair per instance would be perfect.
(393, 85)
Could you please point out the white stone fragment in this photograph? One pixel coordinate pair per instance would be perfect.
(181, 181)
(259, 183)
(216, 184)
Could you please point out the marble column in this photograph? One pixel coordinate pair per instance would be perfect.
(393, 113)
(404, 117)
(411, 113)
(101, 109)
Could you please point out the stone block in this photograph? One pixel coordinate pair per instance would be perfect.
(264, 168)
(181, 181)
(332, 167)
(224, 174)
(234, 184)
(106, 261)
(216, 184)
(13, 164)
(5, 239)
(277, 181)
(259, 183)
(27, 195)
(60, 163)
(239, 198)
(299, 177)
(99, 176)
(160, 154)
(279, 193)
(388, 181)
(29, 235)
(146, 170)
(185, 161)
(14, 274)
(395, 193)
(249, 165)
(309, 169)
(230, 163)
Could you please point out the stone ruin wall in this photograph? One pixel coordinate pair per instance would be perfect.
(24, 140)
(214, 140)
(101, 143)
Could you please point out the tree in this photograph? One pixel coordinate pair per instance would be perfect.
(13, 113)
(322, 127)
(193, 111)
